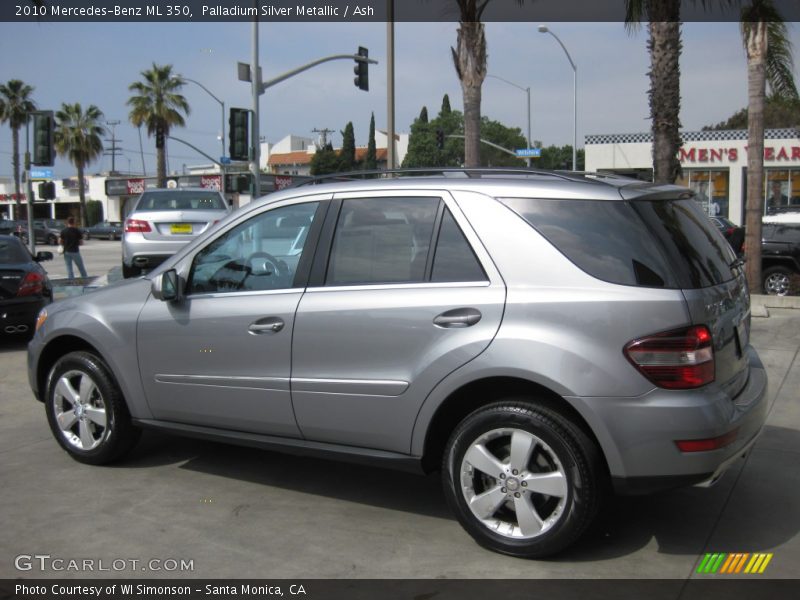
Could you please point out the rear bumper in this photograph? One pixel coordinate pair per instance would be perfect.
(137, 251)
(19, 317)
(638, 435)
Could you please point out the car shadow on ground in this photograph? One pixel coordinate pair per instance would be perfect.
(681, 522)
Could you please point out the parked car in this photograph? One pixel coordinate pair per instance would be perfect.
(732, 232)
(780, 253)
(163, 221)
(111, 230)
(24, 287)
(46, 231)
(539, 337)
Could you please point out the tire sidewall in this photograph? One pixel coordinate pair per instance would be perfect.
(553, 431)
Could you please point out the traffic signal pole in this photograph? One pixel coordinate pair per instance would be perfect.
(29, 190)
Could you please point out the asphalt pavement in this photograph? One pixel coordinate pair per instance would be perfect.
(233, 512)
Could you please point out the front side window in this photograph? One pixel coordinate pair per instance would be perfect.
(382, 240)
(260, 254)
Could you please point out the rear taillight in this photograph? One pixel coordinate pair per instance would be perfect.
(677, 360)
(31, 285)
(136, 226)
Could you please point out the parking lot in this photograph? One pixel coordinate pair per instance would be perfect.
(230, 512)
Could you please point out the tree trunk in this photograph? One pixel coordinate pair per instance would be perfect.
(82, 195)
(664, 44)
(756, 47)
(470, 62)
(15, 166)
(161, 172)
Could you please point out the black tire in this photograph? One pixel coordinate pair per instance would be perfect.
(777, 281)
(52, 239)
(128, 272)
(79, 431)
(557, 448)
(112, 237)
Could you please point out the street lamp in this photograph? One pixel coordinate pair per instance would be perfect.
(544, 29)
(527, 90)
(221, 103)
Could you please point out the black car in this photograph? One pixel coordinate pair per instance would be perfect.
(111, 230)
(780, 254)
(24, 287)
(732, 232)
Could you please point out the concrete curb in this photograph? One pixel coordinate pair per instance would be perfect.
(760, 304)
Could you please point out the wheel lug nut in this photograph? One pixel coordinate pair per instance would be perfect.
(515, 472)
(516, 495)
(503, 490)
(524, 484)
(502, 475)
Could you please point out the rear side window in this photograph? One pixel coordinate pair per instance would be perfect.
(605, 239)
(180, 200)
(382, 240)
(661, 244)
(779, 232)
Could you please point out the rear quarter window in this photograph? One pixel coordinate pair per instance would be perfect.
(660, 244)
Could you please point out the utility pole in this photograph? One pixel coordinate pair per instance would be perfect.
(323, 134)
(114, 151)
(391, 160)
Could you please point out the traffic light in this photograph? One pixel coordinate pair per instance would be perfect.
(47, 190)
(159, 136)
(440, 139)
(239, 134)
(43, 148)
(362, 70)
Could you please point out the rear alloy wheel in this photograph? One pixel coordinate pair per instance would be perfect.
(522, 479)
(777, 281)
(86, 411)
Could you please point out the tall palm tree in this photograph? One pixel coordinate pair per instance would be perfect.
(664, 45)
(15, 108)
(769, 59)
(158, 105)
(78, 137)
(469, 58)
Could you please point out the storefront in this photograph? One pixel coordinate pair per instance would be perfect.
(714, 165)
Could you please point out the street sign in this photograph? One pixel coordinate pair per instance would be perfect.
(224, 160)
(529, 152)
(40, 173)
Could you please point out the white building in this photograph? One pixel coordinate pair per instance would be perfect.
(714, 165)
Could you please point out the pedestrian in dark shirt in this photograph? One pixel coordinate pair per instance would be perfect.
(71, 240)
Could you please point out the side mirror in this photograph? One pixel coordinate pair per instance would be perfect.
(167, 286)
(43, 256)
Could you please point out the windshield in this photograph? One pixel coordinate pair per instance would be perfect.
(180, 200)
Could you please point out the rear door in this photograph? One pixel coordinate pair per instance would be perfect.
(401, 294)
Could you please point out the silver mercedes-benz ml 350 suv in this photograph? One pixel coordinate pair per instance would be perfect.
(539, 337)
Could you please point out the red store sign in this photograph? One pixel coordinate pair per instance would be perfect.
(718, 155)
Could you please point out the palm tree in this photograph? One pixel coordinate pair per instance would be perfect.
(16, 107)
(769, 58)
(469, 58)
(78, 137)
(158, 105)
(664, 45)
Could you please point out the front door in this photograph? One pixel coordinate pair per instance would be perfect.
(220, 357)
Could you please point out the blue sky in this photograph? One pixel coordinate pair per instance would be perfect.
(95, 63)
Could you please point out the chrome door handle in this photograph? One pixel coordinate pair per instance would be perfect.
(267, 325)
(458, 317)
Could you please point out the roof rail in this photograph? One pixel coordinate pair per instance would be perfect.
(473, 173)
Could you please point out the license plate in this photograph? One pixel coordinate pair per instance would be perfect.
(181, 228)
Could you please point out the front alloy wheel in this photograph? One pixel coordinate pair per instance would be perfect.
(86, 411)
(522, 479)
(777, 281)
